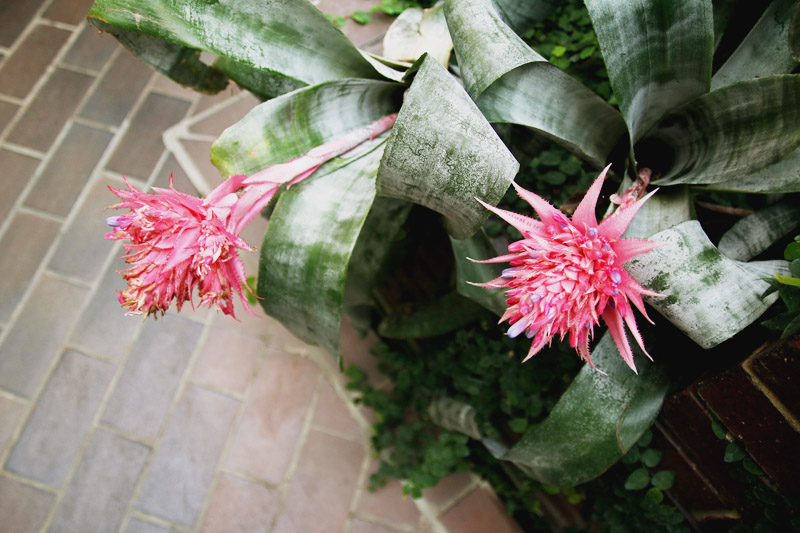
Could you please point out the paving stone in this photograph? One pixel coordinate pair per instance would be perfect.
(152, 372)
(11, 413)
(268, 432)
(778, 368)
(7, 112)
(478, 512)
(68, 11)
(184, 464)
(163, 85)
(52, 436)
(200, 152)
(180, 180)
(239, 506)
(360, 526)
(324, 481)
(15, 17)
(65, 175)
(357, 351)
(51, 108)
(358, 33)
(22, 70)
(115, 95)
(97, 496)
(23, 509)
(17, 172)
(83, 249)
(216, 123)
(448, 488)
(331, 413)
(140, 526)
(91, 50)
(227, 360)
(387, 504)
(36, 337)
(141, 147)
(24, 244)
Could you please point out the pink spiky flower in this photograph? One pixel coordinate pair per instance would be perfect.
(179, 243)
(567, 273)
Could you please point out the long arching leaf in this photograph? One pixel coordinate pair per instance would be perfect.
(782, 177)
(755, 233)
(478, 248)
(511, 83)
(658, 54)
(442, 153)
(520, 16)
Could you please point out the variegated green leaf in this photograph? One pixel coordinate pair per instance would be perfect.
(521, 16)
(512, 83)
(705, 294)
(289, 37)
(437, 317)
(794, 33)
(723, 10)
(416, 32)
(726, 134)
(453, 415)
(669, 206)
(765, 50)
(442, 153)
(478, 248)
(657, 52)
(782, 177)
(755, 233)
(599, 417)
(263, 83)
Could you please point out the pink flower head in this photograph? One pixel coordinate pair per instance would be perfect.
(567, 273)
(179, 243)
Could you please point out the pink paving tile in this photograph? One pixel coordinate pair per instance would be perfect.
(215, 124)
(358, 33)
(361, 526)
(17, 172)
(268, 432)
(356, 350)
(95, 499)
(184, 463)
(227, 360)
(65, 175)
(25, 243)
(11, 413)
(91, 50)
(23, 509)
(7, 112)
(180, 180)
(50, 110)
(325, 481)
(331, 413)
(200, 152)
(151, 376)
(15, 17)
(387, 504)
(52, 437)
(68, 11)
(239, 506)
(22, 70)
(448, 488)
(479, 512)
(140, 526)
(36, 337)
(115, 95)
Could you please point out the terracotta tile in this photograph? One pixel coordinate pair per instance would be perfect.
(23, 509)
(331, 413)
(24, 68)
(360, 526)
(96, 498)
(227, 360)
(36, 337)
(164, 85)
(141, 147)
(228, 116)
(103, 327)
(15, 17)
(91, 50)
(115, 95)
(17, 172)
(356, 350)
(68, 11)
(7, 112)
(358, 33)
(479, 512)
(50, 110)
(777, 367)
(448, 488)
(11, 413)
(258, 326)
(207, 101)
(180, 179)
(65, 175)
(152, 372)
(83, 249)
(140, 526)
(52, 436)
(24, 244)
(238, 506)
(200, 152)
(183, 466)
(324, 481)
(265, 439)
(387, 504)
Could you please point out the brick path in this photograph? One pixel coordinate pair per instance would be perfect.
(194, 422)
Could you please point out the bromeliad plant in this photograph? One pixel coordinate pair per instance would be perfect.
(738, 129)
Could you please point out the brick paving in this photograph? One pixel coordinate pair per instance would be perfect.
(194, 422)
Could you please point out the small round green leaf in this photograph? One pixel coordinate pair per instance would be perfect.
(733, 453)
(633, 456)
(654, 495)
(752, 467)
(792, 251)
(637, 480)
(664, 480)
(719, 430)
(651, 457)
(646, 439)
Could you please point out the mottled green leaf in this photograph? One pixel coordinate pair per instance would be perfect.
(453, 415)
(416, 32)
(521, 16)
(755, 233)
(442, 315)
(764, 51)
(782, 177)
(657, 52)
(794, 33)
(263, 83)
(729, 133)
(669, 206)
(443, 154)
(707, 295)
(479, 248)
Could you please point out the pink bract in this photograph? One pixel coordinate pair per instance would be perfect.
(567, 273)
